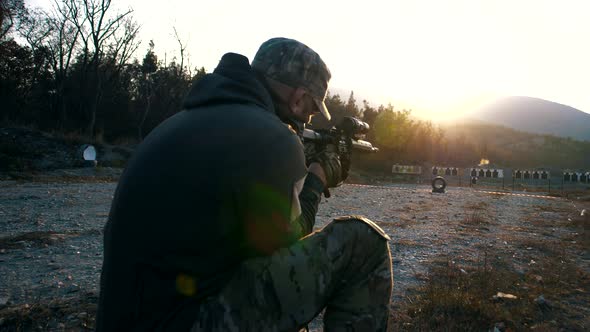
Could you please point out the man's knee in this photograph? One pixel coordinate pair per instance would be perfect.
(361, 227)
(349, 231)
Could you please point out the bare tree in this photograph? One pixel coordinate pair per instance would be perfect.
(104, 38)
(125, 42)
(35, 31)
(149, 67)
(149, 95)
(182, 50)
(11, 12)
(55, 33)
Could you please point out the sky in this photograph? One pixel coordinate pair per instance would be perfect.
(440, 58)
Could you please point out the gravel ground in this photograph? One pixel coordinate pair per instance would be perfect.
(51, 233)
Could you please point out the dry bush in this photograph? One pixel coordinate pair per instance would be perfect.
(474, 217)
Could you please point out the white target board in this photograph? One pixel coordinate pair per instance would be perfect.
(406, 169)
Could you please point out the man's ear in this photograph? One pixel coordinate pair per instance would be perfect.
(297, 100)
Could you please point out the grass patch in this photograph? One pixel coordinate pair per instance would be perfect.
(477, 205)
(64, 314)
(544, 246)
(408, 243)
(40, 177)
(550, 295)
(40, 239)
(581, 224)
(551, 208)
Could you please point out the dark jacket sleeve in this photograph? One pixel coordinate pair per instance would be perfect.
(309, 198)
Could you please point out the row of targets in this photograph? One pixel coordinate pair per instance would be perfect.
(528, 174)
(406, 169)
(487, 173)
(448, 171)
(576, 177)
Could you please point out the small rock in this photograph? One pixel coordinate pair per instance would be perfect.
(53, 266)
(72, 290)
(499, 327)
(53, 324)
(3, 301)
(542, 303)
(504, 296)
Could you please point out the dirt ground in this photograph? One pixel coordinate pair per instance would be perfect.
(51, 244)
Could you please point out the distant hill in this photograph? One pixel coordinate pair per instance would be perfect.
(536, 116)
(508, 147)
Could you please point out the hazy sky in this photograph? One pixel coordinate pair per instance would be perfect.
(439, 57)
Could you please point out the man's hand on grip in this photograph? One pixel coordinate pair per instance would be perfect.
(333, 170)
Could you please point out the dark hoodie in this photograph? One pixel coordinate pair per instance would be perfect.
(208, 188)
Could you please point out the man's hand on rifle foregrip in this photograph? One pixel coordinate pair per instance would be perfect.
(334, 170)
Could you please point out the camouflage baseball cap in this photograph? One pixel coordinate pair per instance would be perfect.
(294, 64)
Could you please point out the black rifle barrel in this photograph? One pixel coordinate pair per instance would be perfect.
(361, 145)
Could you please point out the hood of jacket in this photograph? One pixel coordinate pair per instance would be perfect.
(232, 82)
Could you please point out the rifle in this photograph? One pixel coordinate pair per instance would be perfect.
(345, 137)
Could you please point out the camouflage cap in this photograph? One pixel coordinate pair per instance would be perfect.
(294, 64)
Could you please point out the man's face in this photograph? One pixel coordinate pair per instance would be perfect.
(304, 108)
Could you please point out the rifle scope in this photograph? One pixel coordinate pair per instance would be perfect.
(353, 126)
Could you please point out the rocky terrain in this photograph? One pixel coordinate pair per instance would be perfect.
(51, 245)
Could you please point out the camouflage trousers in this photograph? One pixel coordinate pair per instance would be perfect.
(345, 268)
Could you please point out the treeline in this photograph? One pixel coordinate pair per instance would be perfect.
(70, 70)
(400, 137)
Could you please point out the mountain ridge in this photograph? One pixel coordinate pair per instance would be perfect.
(535, 115)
